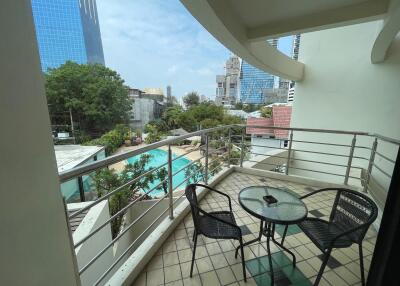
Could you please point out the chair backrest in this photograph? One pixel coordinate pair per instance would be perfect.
(191, 196)
(352, 209)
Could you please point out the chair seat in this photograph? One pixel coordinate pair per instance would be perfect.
(322, 233)
(215, 229)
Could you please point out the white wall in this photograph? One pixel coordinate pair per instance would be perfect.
(35, 244)
(342, 89)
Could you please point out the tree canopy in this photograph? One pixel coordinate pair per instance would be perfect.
(95, 95)
(192, 98)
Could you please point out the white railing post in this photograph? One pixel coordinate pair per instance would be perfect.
(242, 146)
(170, 186)
(206, 163)
(289, 151)
(370, 164)
(229, 145)
(353, 145)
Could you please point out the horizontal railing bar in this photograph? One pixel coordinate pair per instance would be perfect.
(69, 174)
(106, 196)
(322, 143)
(304, 160)
(322, 172)
(316, 130)
(188, 165)
(322, 153)
(129, 248)
(84, 268)
(134, 242)
(362, 147)
(121, 211)
(264, 146)
(359, 157)
(387, 139)
(252, 161)
(382, 171)
(182, 155)
(384, 157)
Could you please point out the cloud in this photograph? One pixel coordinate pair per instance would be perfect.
(158, 43)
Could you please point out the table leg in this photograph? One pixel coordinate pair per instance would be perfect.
(283, 247)
(253, 240)
(271, 269)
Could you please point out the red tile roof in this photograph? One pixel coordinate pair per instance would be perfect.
(280, 118)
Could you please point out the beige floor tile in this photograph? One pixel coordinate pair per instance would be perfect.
(334, 279)
(172, 273)
(346, 275)
(185, 255)
(204, 264)
(194, 281)
(155, 263)
(170, 258)
(219, 261)
(226, 275)
(175, 283)
(155, 277)
(213, 248)
(209, 278)
(185, 269)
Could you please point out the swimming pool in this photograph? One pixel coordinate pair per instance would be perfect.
(159, 157)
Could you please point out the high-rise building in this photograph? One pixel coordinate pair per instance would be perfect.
(295, 56)
(228, 85)
(256, 86)
(67, 30)
(253, 82)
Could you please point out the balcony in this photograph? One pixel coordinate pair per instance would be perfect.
(153, 245)
(216, 264)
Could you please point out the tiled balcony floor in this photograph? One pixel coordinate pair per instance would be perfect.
(215, 261)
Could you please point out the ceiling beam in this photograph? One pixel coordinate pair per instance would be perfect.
(390, 28)
(220, 20)
(354, 14)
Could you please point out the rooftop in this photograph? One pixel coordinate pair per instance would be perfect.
(71, 156)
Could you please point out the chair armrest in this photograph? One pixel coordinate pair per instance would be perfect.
(220, 220)
(319, 191)
(214, 190)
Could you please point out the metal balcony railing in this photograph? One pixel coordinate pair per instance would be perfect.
(313, 151)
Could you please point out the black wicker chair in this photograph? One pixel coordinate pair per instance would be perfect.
(218, 225)
(352, 214)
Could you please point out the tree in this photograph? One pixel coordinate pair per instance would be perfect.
(192, 98)
(153, 135)
(95, 94)
(171, 116)
(107, 180)
(162, 175)
(266, 112)
(195, 172)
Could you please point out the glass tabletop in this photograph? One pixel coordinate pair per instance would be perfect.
(287, 210)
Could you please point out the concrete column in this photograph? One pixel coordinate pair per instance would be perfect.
(34, 241)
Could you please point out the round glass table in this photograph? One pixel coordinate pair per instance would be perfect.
(272, 206)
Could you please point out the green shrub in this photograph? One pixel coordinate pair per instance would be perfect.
(112, 140)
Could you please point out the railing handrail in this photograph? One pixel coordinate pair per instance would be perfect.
(85, 169)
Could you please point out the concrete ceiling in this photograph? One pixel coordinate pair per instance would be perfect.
(243, 26)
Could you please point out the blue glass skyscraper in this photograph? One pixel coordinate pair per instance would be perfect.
(254, 81)
(67, 30)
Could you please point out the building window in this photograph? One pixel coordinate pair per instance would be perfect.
(285, 143)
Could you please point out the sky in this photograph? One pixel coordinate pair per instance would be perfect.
(155, 43)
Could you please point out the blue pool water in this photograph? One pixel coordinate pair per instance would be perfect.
(159, 157)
